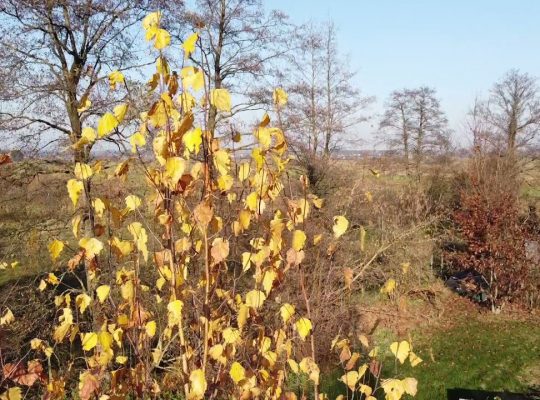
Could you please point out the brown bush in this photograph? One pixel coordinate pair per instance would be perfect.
(488, 224)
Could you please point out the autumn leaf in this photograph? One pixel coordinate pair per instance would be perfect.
(220, 250)
(55, 249)
(389, 286)
(287, 311)
(83, 171)
(401, 350)
(89, 340)
(340, 226)
(298, 240)
(237, 372)
(303, 327)
(150, 328)
(280, 97)
(102, 292)
(7, 318)
(91, 246)
(189, 44)
(175, 312)
(255, 299)
(221, 99)
(115, 78)
(198, 383)
(107, 123)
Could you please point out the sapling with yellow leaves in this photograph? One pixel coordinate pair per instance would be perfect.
(184, 282)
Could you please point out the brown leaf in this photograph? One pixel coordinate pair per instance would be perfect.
(5, 159)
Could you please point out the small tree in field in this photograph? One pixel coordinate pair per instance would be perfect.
(184, 293)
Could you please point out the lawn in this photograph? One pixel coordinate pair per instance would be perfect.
(485, 353)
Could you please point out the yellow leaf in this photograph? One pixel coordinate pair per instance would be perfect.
(42, 285)
(401, 350)
(255, 299)
(193, 140)
(231, 335)
(410, 385)
(107, 123)
(189, 44)
(120, 112)
(225, 182)
(84, 105)
(175, 312)
(280, 97)
(53, 279)
(140, 237)
(55, 248)
(121, 359)
(293, 365)
(362, 238)
(198, 384)
(115, 78)
(243, 171)
(287, 311)
(132, 202)
(162, 38)
(91, 246)
(99, 207)
(364, 341)
(191, 78)
(75, 188)
(393, 388)
(7, 318)
(340, 225)
(137, 140)
(298, 240)
(303, 326)
(174, 169)
(127, 291)
(221, 99)
(89, 134)
(83, 171)
(268, 280)
(103, 292)
(389, 286)
(237, 372)
(150, 328)
(83, 301)
(151, 20)
(222, 160)
(89, 340)
(13, 393)
(414, 359)
(350, 379)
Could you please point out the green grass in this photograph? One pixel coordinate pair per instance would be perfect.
(489, 355)
(485, 354)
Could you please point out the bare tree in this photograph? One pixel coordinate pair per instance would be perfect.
(240, 42)
(397, 123)
(53, 54)
(513, 110)
(325, 104)
(416, 123)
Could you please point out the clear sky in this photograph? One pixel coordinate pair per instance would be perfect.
(459, 47)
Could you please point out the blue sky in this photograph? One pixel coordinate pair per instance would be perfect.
(460, 47)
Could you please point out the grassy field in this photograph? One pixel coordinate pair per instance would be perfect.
(482, 352)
